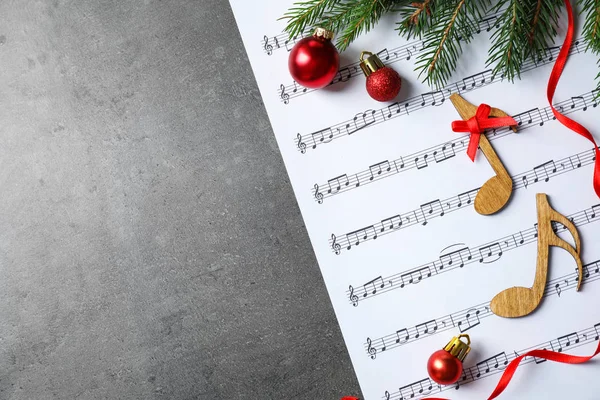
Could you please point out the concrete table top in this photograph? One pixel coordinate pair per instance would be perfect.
(150, 243)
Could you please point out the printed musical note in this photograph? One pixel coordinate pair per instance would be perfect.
(402, 336)
(597, 332)
(496, 362)
(392, 223)
(373, 285)
(544, 171)
(580, 100)
(446, 152)
(487, 252)
(379, 168)
(466, 198)
(459, 256)
(415, 277)
(384, 55)
(436, 98)
(362, 120)
(421, 162)
(336, 184)
(471, 320)
(322, 136)
(425, 328)
(431, 208)
(393, 109)
(477, 80)
(567, 340)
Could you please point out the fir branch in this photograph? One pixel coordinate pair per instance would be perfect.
(415, 18)
(591, 27)
(510, 40)
(543, 17)
(361, 16)
(455, 21)
(306, 14)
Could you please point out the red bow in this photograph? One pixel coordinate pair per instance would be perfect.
(478, 124)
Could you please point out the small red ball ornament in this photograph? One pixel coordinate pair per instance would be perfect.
(383, 83)
(445, 366)
(314, 61)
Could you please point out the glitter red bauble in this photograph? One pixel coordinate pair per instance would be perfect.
(384, 84)
(444, 368)
(314, 61)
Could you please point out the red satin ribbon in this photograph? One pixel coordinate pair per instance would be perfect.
(476, 126)
(553, 82)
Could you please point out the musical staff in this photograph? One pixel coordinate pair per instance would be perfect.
(482, 254)
(494, 365)
(446, 151)
(402, 53)
(422, 101)
(439, 208)
(471, 317)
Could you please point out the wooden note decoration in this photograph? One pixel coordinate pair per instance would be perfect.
(495, 193)
(520, 301)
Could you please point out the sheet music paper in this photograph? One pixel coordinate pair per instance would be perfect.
(386, 191)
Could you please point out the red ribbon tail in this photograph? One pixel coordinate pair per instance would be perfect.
(473, 146)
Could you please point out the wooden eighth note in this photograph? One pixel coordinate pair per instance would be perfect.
(520, 301)
(495, 193)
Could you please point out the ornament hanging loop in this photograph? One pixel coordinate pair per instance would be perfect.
(458, 348)
(371, 63)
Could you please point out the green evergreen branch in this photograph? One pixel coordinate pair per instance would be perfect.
(543, 17)
(523, 30)
(415, 18)
(510, 40)
(306, 14)
(454, 22)
(362, 15)
(591, 27)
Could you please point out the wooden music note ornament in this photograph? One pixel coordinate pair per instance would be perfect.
(495, 193)
(520, 301)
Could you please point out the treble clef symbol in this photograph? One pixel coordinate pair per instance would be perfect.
(318, 195)
(335, 245)
(353, 297)
(301, 144)
(387, 395)
(268, 48)
(284, 96)
(371, 350)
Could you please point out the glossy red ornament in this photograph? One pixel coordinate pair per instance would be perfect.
(446, 366)
(383, 83)
(314, 61)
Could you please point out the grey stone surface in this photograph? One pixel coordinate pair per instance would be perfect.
(150, 243)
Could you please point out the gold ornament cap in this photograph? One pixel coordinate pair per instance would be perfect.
(371, 63)
(458, 348)
(323, 33)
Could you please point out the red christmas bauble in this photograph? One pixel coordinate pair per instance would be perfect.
(444, 368)
(384, 84)
(314, 61)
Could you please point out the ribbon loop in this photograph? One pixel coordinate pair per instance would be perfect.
(478, 124)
